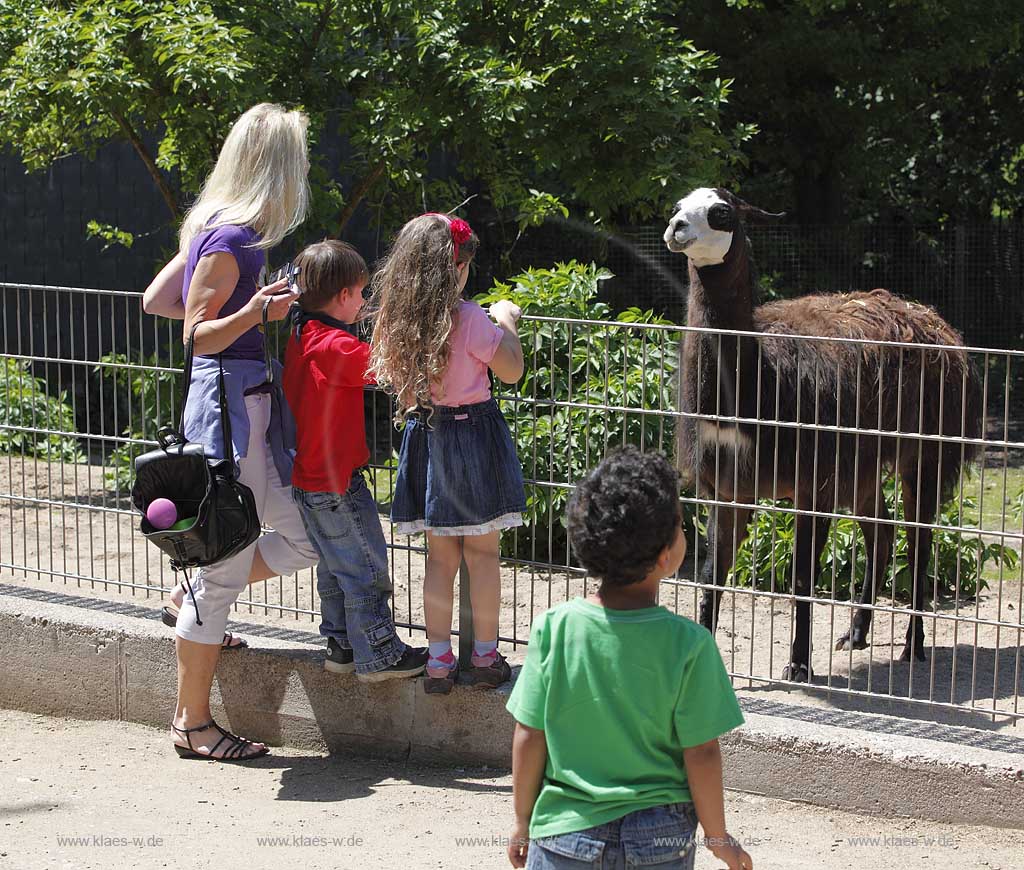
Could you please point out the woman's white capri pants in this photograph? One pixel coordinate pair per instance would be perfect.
(285, 550)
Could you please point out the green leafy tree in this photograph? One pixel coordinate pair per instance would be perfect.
(874, 108)
(536, 107)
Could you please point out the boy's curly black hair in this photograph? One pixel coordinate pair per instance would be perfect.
(623, 514)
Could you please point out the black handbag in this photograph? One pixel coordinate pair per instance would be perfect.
(207, 489)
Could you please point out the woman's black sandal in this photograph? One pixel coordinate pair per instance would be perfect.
(234, 753)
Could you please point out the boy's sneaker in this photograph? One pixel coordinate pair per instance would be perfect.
(339, 660)
(440, 681)
(411, 664)
(489, 676)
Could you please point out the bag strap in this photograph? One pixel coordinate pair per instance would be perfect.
(222, 393)
(225, 417)
(266, 344)
(263, 327)
(189, 351)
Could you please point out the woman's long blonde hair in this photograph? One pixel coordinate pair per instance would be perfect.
(415, 295)
(260, 179)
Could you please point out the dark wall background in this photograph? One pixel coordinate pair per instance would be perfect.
(43, 236)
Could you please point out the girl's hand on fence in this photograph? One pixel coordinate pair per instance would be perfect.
(280, 301)
(518, 844)
(505, 310)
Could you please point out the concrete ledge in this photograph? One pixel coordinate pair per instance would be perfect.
(99, 660)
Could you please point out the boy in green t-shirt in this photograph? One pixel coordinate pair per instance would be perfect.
(620, 702)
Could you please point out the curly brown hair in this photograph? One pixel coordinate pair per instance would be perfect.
(415, 293)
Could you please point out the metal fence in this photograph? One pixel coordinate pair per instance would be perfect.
(77, 403)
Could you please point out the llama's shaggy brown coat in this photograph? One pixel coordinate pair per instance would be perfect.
(863, 385)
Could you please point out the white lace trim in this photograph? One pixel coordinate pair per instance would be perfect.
(505, 521)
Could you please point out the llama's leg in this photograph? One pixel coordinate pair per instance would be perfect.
(918, 506)
(878, 540)
(727, 528)
(811, 534)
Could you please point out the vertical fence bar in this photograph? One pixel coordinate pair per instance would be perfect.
(465, 616)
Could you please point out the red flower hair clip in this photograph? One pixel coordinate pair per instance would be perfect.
(460, 230)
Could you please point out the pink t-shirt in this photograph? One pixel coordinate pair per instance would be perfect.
(474, 341)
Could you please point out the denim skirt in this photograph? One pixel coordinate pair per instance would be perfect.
(458, 473)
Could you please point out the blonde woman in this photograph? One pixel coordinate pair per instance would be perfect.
(256, 194)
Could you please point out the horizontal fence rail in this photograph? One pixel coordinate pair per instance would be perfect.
(86, 378)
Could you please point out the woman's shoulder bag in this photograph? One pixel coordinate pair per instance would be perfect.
(204, 490)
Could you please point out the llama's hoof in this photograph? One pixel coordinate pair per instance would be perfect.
(796, 673)
(858, 642)
(919, 655)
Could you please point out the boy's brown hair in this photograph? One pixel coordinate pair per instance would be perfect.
(328, 267)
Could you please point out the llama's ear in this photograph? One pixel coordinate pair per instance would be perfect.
(748, 212)
(760, 216)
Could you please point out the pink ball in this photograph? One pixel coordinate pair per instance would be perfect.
(161, 513)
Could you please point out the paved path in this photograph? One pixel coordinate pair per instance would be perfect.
(82, 795)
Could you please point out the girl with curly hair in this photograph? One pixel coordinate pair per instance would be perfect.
(459, 479)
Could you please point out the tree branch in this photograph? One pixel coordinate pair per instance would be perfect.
(321, 27)
(147, 158)
(363, 187)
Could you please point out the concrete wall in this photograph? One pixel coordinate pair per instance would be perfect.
(100, 660)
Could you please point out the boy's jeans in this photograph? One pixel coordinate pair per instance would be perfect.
(658, 838)
(352, 574)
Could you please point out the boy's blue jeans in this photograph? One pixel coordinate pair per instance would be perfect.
(658, 838)
(352, 574)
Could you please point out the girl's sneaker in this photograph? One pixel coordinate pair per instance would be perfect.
(489, 675)
(441, 680)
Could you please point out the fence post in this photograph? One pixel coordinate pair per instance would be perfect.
(465, 618)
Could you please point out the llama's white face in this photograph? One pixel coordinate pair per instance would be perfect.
(690, 233)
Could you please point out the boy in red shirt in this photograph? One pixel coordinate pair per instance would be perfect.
(324, 377)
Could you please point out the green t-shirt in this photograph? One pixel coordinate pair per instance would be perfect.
(619, 694)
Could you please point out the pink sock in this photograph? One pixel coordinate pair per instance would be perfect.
(441, 664)
(485, 660)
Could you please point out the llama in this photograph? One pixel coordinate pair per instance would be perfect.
(776, 379)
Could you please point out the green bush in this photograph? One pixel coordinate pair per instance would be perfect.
(24, 402)
(608, 367)
(154, 396)
(766, 557)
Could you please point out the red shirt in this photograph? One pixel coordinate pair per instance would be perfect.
(324, 376)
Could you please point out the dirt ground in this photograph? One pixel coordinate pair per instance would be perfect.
(100, 795)
(88, 546)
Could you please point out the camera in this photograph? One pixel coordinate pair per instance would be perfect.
(289, 271)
